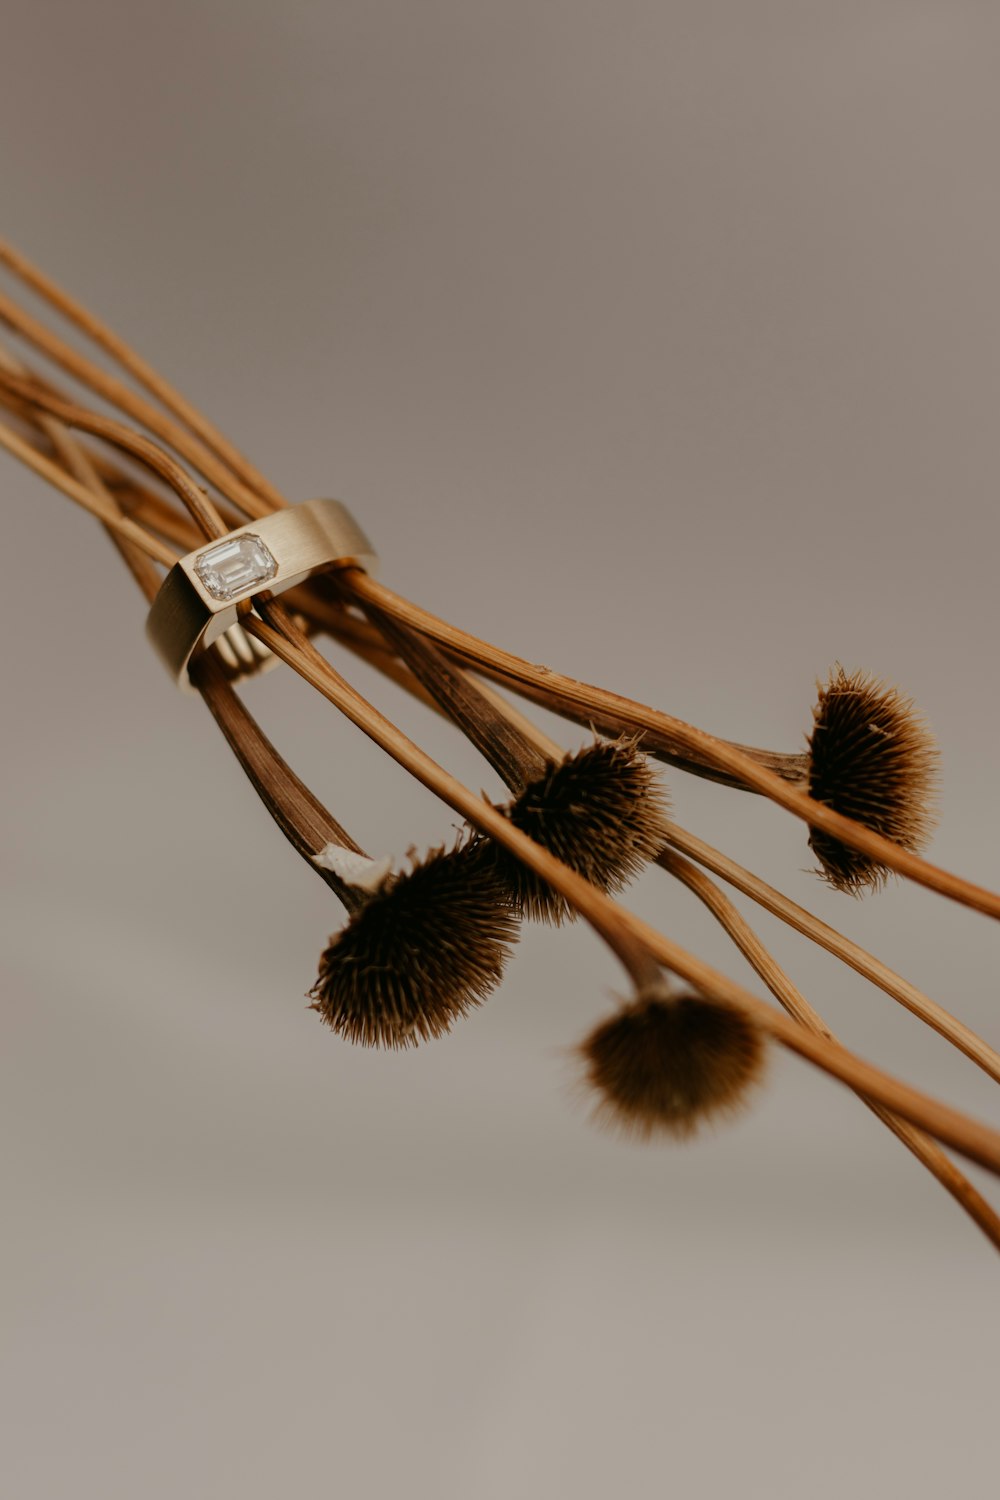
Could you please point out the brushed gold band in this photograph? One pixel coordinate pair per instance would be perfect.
(196, 604)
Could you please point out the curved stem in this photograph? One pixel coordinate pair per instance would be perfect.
(143, 372)
(627, 714)
(147, 452)
(864, 963)
(360, 638)
(302, 818)
(511, 754)
(56, 475)
(135, 499)
(118, 394)
(920, 1145)
(620, 928)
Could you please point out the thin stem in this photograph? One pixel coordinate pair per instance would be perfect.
(922, 1147)
(143, 372)
(78, 463)
(626, 714)
(110, 389)
(508, 750)
(365, 642)
(134, 497)
(851, 953)
(620, 928)
(302, 818)
(154, 510)
(347, 628)
(147, 452)
(74, 456)
(57, 476)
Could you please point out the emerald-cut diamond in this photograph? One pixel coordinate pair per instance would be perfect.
(230, 569)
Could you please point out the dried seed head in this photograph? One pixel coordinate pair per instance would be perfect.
(663, 1066)
(872, 758)
(600, 811)
(427, 946)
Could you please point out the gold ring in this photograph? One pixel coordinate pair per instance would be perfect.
(196, 604)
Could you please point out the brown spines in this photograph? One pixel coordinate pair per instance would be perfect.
(600, 811)
(665, 1065)
(873, 759)
(422, 951)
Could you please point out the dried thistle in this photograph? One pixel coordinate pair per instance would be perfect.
(601, 811)
(419, 948)
(871, 758)
(664, 1065)
(420, 952)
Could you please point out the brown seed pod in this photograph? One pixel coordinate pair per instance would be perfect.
(872, 758)
(600, 810)
(422, 951)
(663, 1066)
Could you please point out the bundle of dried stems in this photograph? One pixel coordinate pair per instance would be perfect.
(419, 947)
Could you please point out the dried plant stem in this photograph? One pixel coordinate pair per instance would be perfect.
(141, 371)
(57, 476)
(851, 953)
(792, 767)
(77, 461)
(154, 457)
(628, 715)
(134, 497)
(922, 1147)
(511, 754)
(512, 744)
(131, 498)
(79, 464)
(134, 406)
(153, 509)
(302, 818)
(746, 940)
(156, 509)
(368, 642)
(360, 638)
(545, 746)
(921, 1005)
(621, 929)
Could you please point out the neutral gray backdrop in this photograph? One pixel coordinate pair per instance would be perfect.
(659, 342)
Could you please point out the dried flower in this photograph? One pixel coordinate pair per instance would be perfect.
(871, 758)
(425, 948)
(600, 810)
(664, 1065)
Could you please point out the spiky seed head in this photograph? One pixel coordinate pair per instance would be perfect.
(664, 1066)
(872, 758)
(426, 947)
(600, 810)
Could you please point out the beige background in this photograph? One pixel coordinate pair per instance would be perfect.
(658, 341)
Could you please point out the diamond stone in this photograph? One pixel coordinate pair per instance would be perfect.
(230, 568)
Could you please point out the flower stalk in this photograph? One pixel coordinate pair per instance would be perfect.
(421, 947)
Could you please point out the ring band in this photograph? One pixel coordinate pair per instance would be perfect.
(197, 600)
